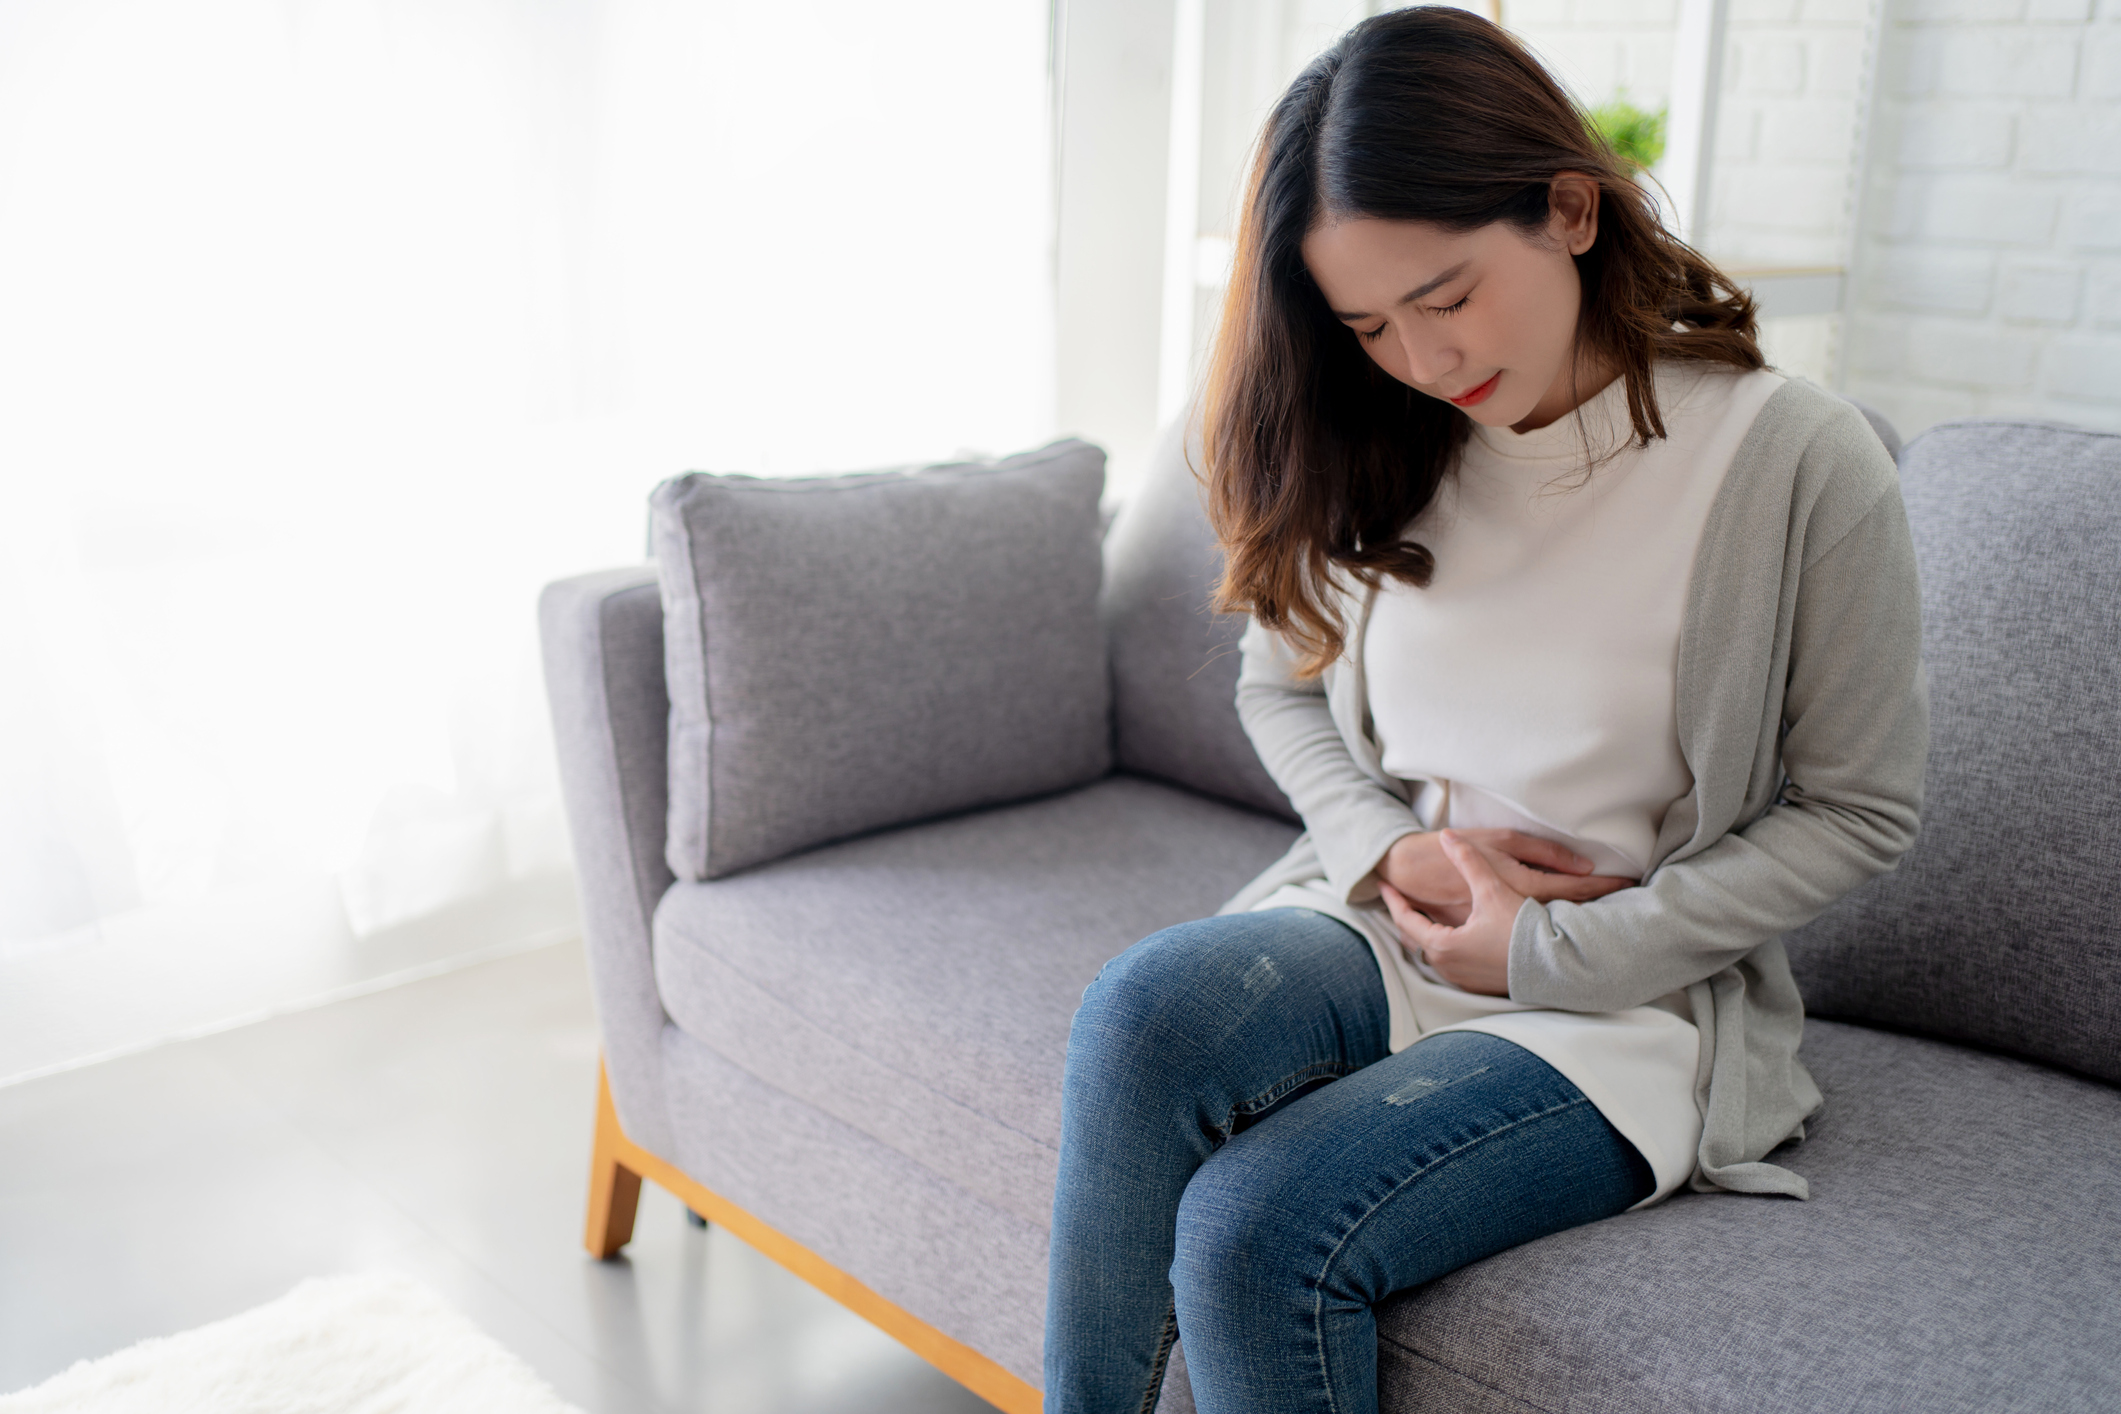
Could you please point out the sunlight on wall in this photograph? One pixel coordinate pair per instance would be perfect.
(330, 331)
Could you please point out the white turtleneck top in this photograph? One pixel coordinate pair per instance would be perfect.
(1533, 685)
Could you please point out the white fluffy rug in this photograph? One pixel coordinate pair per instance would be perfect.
(370, 1344)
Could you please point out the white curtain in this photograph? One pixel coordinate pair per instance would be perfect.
(331, 329)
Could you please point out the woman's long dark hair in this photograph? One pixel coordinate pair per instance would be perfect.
(1315, 458)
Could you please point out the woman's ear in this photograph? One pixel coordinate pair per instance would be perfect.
(1572, 211)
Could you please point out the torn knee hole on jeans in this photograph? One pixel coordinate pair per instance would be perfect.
(1261, 977)
(1260, 980)
(1422, 1086)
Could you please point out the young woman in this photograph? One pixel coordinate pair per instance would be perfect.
(1587, 648)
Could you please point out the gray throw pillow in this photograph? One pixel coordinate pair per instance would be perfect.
(846, 653)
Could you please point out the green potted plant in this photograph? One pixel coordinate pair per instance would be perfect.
(1636, 136)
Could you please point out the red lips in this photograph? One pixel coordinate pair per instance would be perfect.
(1478, 395)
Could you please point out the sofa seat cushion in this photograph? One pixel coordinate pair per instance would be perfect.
(918, 984)
(1961, 1252)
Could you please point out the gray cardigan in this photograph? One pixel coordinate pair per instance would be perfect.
(1803, 716)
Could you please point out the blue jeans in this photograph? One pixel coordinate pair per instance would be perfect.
(1215, 1183)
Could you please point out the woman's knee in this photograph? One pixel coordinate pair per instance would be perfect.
(1239, 1236)
(1199, 1007)
(1133, 1012)
(1157, 978)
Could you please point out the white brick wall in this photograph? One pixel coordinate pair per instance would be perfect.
(1780, 189)
(1988, 275)
(1957, 281)
(2106, 295)
(1600, 48)
(1987, 256)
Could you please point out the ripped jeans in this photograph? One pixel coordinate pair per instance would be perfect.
(1215, 1185)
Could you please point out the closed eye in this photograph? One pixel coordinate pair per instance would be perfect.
(1370, 336)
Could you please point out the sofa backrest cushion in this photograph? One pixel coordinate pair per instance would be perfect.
(1881, 425)
(1174, 660)
(1997, 929)
(845, 653)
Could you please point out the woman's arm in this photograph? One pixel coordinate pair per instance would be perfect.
(1855, 740)
(1353, 820)
(1367, 838)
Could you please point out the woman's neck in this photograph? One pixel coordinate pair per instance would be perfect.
(1593, 375)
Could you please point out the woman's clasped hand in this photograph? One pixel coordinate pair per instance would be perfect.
(1454, 896)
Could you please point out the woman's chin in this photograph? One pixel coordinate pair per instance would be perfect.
(1493, 413)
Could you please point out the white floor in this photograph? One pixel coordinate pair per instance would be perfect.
(440, 1129)
(154, 975)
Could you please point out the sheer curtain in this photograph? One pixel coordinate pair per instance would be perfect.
(330, 330)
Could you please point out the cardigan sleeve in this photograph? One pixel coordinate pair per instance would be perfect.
(1855, 739)
(1352, 818)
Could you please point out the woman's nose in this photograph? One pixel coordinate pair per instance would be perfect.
(1428, 361)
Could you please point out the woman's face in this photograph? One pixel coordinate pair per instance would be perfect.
(1484, 319)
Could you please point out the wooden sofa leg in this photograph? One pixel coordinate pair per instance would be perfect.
(615, 1192)
(614, 1189)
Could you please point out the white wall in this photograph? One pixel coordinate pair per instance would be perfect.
(1980, 214)
(1600, 48)
(1789, 153)
(1786, 135)
(1113, 74)
(1989, 276)
(1786, 143)
(1118, 148)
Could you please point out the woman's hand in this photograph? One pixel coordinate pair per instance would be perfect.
(1475, 954)
(1417, 867)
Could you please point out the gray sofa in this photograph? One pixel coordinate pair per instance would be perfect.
(887, 1095)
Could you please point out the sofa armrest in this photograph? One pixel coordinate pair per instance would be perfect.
(602, 637)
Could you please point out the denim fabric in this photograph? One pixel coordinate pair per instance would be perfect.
(1213, 1182)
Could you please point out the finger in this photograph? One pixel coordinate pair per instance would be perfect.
(1418, 928)
(1547, 854)
(1474, 868)
(1519, 878)
(1597, 886)
(1407, 915)
(1572, 888)
(1400, 907)
(1538, 883)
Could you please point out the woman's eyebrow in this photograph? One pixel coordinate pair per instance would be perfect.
(1416, 293)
